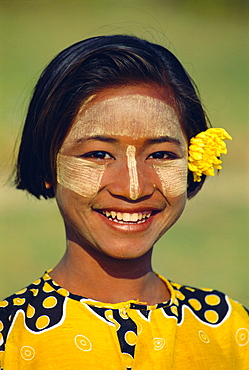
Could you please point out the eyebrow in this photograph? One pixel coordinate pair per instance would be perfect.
(104, 139)
(107, 139)
(164, 139)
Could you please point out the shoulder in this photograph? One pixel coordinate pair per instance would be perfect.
(31, 303)
(12, 304)
(21, 298)
(209, 318)
(210, 306)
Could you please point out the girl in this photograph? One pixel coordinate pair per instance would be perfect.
(107, 134)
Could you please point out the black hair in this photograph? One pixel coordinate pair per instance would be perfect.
(80, 71)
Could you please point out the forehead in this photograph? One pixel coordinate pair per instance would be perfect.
(132, 115)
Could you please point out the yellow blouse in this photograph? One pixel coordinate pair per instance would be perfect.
(45, 327)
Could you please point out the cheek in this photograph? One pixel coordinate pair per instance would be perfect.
(79, 175)
(173, 177)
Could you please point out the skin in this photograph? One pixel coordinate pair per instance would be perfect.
(106, 260)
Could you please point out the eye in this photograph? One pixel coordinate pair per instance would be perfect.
(163, 155)
(98, 154)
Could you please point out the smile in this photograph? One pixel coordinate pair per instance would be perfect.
(126, 218)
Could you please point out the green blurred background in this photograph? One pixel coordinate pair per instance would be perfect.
(209, 244)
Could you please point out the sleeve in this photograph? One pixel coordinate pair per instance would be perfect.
(5, 323)
(240, 330)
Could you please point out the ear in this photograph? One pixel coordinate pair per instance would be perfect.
(48, 185)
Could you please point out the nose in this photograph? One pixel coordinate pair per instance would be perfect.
(131, 180)
(132, 169)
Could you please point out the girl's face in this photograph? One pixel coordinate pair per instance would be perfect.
(122, 171)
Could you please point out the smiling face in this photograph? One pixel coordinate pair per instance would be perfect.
(122, 171)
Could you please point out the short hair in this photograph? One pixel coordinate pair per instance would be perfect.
(78, 72)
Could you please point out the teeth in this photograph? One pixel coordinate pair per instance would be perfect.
(119, 216)
(127, 217)
(134, 217)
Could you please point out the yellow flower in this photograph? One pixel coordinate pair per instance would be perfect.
(205, 150)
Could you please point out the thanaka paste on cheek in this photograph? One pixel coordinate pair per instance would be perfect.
(139, 117)
(79, 175)
(173, 176)
(132, 167)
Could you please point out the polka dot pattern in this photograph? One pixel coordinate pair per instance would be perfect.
(30, 311)
(128, 360)
(212, 300)
(19, 301)
(21, 291)
(126, 328)
(49, 302)
(63, 292)
(42, 322)
(179, 295)
(211, 316)
(37, 282)
(47, 288)
(195, 304)
(210, 306)
(4, 304)
(35, 292)
(131, 338)
(44, 304)
(174, 310)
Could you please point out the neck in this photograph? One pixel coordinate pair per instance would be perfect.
(106, 279)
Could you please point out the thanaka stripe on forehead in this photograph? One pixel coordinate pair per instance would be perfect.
(104, 118)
